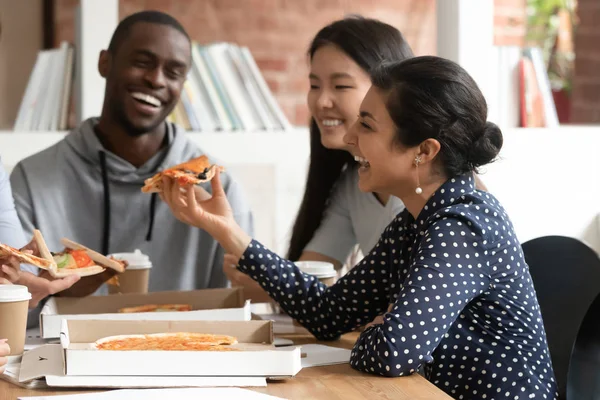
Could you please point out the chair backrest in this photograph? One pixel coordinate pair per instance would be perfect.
(583, 382)
(566, 276)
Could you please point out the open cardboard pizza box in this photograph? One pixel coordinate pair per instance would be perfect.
(47, 362)
(207, 304)
(256, 354)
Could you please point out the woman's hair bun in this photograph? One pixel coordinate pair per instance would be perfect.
(486, 147)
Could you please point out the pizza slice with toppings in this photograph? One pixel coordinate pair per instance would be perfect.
(76, 259)
(24, 257)
(192, 172)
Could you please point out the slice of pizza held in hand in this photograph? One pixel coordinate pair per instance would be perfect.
(177, 341)
(75, 259)
(24, 257)
(192, 172)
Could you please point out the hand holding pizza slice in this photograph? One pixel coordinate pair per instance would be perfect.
(30, 254)
(75, 259)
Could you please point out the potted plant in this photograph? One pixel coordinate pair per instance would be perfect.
(550, 26)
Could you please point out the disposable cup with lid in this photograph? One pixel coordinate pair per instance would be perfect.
(14, 302)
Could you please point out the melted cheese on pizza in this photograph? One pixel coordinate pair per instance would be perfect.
(169, 342)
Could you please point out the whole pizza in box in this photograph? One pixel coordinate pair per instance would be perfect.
(156, 308)
(177, 341)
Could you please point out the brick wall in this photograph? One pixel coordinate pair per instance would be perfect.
(509, 22)
(278, 31)
(586, 82)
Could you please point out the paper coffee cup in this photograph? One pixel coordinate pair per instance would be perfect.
(136, 276)
(14, 303)
(322, 270)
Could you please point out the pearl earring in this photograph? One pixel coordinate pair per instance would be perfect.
(418, 190)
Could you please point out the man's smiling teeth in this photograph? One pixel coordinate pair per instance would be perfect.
(362, 161)
(146, 98)
(332, 122)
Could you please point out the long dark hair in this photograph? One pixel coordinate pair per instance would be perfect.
(368, 42)
(430, 97)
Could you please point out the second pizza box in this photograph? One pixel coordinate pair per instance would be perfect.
(254, 354)
(207, 304)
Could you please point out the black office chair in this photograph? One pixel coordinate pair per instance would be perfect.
(566, 276)
(583, 381)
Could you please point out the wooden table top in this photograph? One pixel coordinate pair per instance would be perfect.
(328, 382)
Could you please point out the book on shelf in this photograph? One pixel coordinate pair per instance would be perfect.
(224, 91)
(521, 95)
(46, 102)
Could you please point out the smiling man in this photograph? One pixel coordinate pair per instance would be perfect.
(88, 186)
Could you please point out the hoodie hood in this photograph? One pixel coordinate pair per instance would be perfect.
(84, 143)
(115, 171)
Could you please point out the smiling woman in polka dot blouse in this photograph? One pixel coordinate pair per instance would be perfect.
(446, 288)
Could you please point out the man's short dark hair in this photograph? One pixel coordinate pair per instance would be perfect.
(153, 17)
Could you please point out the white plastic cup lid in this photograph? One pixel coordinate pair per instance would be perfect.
(320, 269)
(9, 293)
(135, 260)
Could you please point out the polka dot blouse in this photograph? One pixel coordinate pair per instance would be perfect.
(463, 305)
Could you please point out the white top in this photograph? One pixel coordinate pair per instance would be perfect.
(10, 293)
(320, 269)
(135, 260)
(352, 217)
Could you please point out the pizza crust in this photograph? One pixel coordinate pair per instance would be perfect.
(85, 271)
(43, 248)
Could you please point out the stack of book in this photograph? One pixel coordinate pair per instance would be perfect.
(47, 99)
(225, 91)
(521, 95)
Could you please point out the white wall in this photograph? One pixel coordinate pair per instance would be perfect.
(95, 22)
(465, 35)
(547, 179)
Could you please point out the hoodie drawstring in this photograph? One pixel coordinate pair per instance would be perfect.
(106, 227)
(152, 208)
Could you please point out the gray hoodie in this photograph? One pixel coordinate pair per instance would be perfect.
(79, 190)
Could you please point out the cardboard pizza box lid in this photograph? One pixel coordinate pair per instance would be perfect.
(207, 304)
